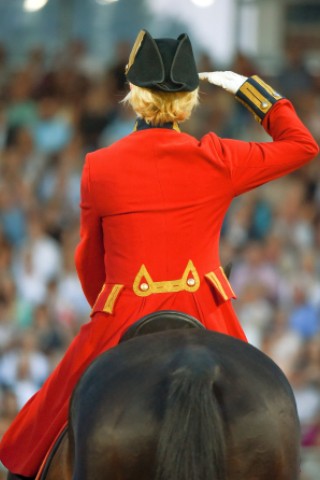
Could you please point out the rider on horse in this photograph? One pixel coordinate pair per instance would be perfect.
(152, 207)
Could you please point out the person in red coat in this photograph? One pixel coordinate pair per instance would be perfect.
(152, 207)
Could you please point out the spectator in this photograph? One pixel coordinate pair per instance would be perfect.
(53, 130)
(304, 317)
(294, 77)
(24, 369)
(283, 344)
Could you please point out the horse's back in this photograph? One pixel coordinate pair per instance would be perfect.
(120, 405)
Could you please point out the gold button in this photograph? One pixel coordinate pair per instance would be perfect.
(191, 282)
(264, 105)
(144, 287)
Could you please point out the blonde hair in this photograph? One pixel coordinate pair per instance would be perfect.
(157, 107)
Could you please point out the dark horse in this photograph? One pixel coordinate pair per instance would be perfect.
(180, 405)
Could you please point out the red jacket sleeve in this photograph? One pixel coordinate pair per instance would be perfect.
(251, 164)
(89, 255)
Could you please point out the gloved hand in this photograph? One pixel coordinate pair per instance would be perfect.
(230, 81)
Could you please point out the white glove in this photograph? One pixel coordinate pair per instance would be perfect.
(230, 81)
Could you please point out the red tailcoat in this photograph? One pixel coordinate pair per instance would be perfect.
(152, 207)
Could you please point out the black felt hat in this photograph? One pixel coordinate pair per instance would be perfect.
(163, 64)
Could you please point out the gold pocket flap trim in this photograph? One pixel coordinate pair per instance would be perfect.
(221, 283)
(112, 297)
(106, 304)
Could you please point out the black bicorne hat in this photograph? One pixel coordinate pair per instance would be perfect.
(163, 64)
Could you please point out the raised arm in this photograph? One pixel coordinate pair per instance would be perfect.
(254, 163)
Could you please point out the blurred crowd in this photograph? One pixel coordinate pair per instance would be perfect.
(55, 110)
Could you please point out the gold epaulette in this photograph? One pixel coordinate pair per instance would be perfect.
(257, 96)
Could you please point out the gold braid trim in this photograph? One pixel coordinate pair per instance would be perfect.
(112, 297)
(135, 48)
(257, 96)
(144, 286)
(216, 282)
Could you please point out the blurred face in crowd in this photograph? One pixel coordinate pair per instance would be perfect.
(48, 108)
(20, 87)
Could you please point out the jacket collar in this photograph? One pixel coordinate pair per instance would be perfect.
(141, 124)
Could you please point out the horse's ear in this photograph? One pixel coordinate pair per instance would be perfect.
(227, 270)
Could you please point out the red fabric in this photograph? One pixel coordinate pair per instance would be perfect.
(51, 452)
(157, 197)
